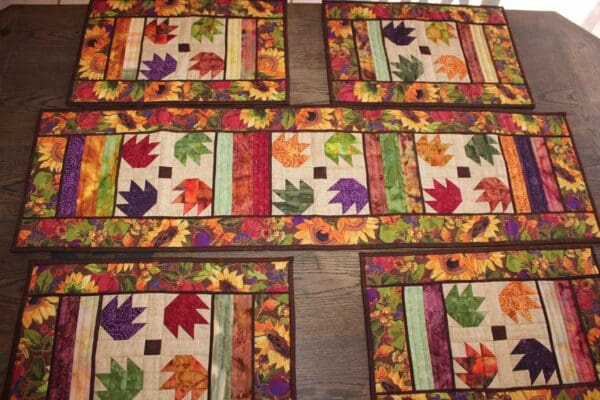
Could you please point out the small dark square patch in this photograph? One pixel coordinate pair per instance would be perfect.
(320, 173)
(425, 50)
(463, 172)
(499, 332)
(165, 172)
(152, 347)
(184, 47)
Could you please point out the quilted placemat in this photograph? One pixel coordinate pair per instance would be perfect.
(511, 324)
(178, 51)
(302, 177)
(176, 329)
(426, 54)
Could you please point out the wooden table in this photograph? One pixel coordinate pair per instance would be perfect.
(38, 46)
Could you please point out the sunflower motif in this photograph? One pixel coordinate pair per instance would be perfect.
(414, 120)
(124, 121)
(340, 28)
(568, 177)
(389, 380)
(117, 268)
(109, 90)
(170, 7)
(317, 231)
(91, 66)
(95, 39)
(421, 93)
(255, 8)
(257, 118)
(479, 228)
(227, 281)
(361, 13)
(314, 118)
(271, 63)
(169, 233)
(368, 91)
(528, 123)
(357, 230)
(38, 309)
(121, 5)
(448, 267)
(51, 152)
(272, 342)
(76, 282)
(261, 90)
(163, 91)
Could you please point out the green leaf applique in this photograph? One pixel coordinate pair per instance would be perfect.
(408, 70)
(296, 200)
(206, 27)
(463, 307)
(119, 383)
(341, 145)
(481, 146)
(191, 145)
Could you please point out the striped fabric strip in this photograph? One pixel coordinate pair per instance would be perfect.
(248, 48)
(117, 52)
(89, 176)
(241, 193)
(242, 343)
(439, 349)
(64, 345)
(133, 47)
(377, 198)
(410, 173)
(363, 48)
(223, 173)
(67, 203)
(108, 177)
(81, 370)
(261, 174)
(378, 51)
(486, 63)
(392, 173)
(517, 179)
(417, 334)
(548, 180)
(233, 65)
(531, 173)
(466, 40)
(220, 376)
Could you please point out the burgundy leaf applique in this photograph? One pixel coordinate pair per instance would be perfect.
(208, 62)
(447, 198)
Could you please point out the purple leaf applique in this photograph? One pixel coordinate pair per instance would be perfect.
(350, 192)
(159, 68)
(140, 201)
(118, 321)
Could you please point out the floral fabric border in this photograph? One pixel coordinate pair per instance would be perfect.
(62, 299)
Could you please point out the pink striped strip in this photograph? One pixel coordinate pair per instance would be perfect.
(436, 334)
(261, 171)
(548, 180)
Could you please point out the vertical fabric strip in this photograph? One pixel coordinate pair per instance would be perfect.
(133, 48)
(241, 372)
(242, 174)
(89, 176)
(547, 175)
(377, 199)
(378, 51)
(117, 52)
(67, 203)
(437, 337)
(108, 177)
(484, 57)
(363, 49)
(223, 174)
(234, 48)
(64, 345)
(81, 371)
(410, 173)
(517, 180)
(248, 48)
(392, 173)
(468, 46)
(531, 173)
(220, 379)
(417, 333)
(261, 174)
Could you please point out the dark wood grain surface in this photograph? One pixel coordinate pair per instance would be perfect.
(38, 45)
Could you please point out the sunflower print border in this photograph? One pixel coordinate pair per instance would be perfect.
(41, 228)
(422, 54)
(239, 319)
(539, 301)
(182, 51)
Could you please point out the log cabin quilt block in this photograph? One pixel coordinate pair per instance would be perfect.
(157, 51)
(177, 329)
(510, 324)
(408, 53)
(302, 177)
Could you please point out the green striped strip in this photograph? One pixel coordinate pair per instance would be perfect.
(108, 176)
(224, 174)
(377, 51)
(220, 376)
(395, 194)
(417, 335)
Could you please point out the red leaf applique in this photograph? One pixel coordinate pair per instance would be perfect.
(447, 198)
(494, 192)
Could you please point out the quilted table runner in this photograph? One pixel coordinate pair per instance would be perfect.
(177, 329)
(518, 324)
(302, 177)
(422, 54)
(159, 51)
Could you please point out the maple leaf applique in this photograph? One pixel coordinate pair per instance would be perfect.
(159, 68)
(481, 146)
(400, 35)
(514, 299)
(452, 66)
(189, 377)
(121, 384)
(494, 192)
(408, 69)
(341, 145)
(208, 62)
(440, 32)
(289, 152)
(434, 152)
(192, 147)
(137, 154)
(481, 368)
(446, 198)
(139, 201)
(159, 33)
(536, 359)
(350, 192)
(118, 321)
(296, 200)
(463, 307)
(206, 27)
(195, 193)
(183, 312)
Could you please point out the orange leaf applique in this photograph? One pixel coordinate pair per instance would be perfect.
(514, 299)
(433, 152)
(452, 66)
(189, 376)
(494, 192)
(289, 152)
